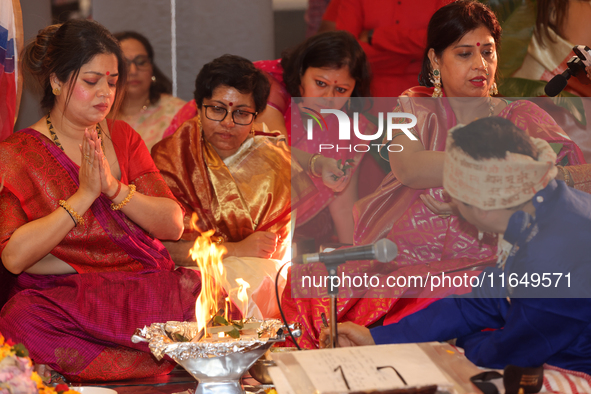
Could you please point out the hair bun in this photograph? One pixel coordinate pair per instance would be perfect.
(36, 51)
(61, 50)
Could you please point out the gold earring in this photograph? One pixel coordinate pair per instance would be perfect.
(493, 90)
(252, 130)
(57, 91)
(436, 81)
(199, 123)
(153, 78)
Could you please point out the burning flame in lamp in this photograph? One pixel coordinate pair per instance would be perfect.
(242, 296)
(208, 257)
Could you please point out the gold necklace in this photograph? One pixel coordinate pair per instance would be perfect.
(56, 140)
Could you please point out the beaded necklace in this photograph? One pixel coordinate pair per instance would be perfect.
(56, 140)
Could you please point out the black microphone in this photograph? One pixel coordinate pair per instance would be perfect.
(575, 67)
(557, 84)
(383, 251)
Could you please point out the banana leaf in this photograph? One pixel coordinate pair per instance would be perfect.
(521, 87)
(518, 18)
(572, 103)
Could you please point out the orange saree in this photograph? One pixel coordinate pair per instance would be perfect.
(245, 193)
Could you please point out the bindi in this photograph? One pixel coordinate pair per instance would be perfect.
(108, 73)
(230, 103)
(477, 44)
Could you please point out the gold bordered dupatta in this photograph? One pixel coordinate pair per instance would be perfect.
(249, 194)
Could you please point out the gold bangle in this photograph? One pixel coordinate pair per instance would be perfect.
(220, 240)
(116, 207)
(311, 164)
(73, 214)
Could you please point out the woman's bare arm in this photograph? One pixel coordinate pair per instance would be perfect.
(159, 216)
(34, 240)
(414, 166)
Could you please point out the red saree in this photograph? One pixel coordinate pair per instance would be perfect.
(125, 278)
(426, 242)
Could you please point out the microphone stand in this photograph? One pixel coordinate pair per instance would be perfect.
(384, 250)
(333, 292)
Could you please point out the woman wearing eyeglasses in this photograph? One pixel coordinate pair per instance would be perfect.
(147, 106)
(234, 178)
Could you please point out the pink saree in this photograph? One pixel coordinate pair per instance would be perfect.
(426, 243)
(125, 278)
(280, 99)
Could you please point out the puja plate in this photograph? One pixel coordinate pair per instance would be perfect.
(216, 365)
(222, 374)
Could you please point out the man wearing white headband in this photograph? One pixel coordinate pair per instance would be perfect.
(502, 181)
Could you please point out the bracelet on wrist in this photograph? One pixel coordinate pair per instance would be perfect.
(73, 214)
(117, 207)
(114, 196)
(312, 163)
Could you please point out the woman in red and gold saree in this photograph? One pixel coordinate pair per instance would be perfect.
(80, 214)
(231, 179)
(81, 324)
(220, 191)
(409, 207)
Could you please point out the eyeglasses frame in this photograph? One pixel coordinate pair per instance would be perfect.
(232, 112)
(134, 60)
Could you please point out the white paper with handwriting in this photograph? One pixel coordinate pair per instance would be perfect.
(369, 368)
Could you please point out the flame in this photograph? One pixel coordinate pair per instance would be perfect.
(242, 296)
(208, 257)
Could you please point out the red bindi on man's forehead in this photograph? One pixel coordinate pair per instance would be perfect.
(230, 103)
(477, 44)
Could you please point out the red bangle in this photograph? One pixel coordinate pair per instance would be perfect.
(117, 192)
